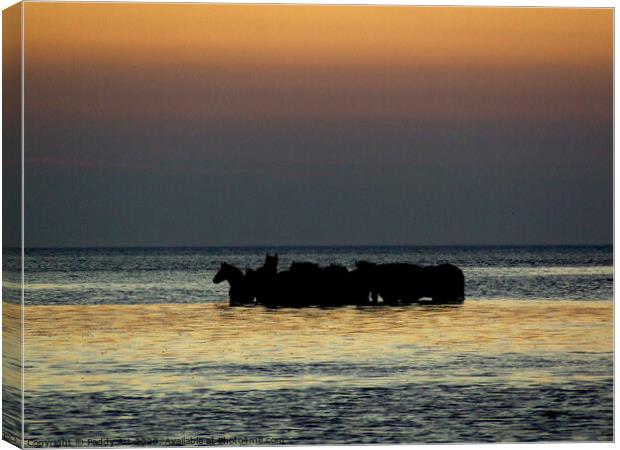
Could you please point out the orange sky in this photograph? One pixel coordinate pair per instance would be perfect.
(290, 62)
(308, 35)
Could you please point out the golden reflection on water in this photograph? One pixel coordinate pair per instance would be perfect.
(95, 347)
(11, 344)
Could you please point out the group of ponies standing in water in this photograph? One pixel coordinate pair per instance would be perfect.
(308, 284)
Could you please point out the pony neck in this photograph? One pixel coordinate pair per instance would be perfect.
(234, 274)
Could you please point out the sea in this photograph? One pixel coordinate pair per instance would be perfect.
(138, 346)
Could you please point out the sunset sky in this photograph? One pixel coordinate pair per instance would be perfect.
(170, 124)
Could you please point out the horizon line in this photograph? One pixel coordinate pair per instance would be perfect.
(216, 246)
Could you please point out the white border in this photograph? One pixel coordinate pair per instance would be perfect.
(23, 242)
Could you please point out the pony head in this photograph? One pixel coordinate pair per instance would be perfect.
(271, 262)
(223, 273)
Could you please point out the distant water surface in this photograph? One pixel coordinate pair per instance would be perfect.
(104, 276)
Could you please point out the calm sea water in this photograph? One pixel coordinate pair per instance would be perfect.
(115, 276)
(138, 345)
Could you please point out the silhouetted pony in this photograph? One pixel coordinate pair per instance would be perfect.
(407, 283)
(445, 283)
(307, 284)
(296, 287)
(261, 281)
(270, 266)
(334, 286)
(358, 288)
(341, 287)
(240, 292)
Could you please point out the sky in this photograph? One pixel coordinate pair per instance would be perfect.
(182, 125)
